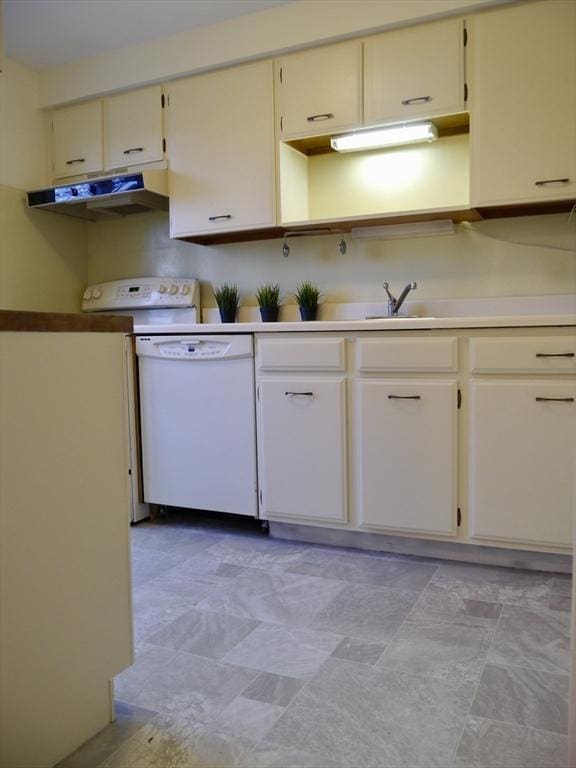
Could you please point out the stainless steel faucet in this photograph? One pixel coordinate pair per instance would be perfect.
(395, 304)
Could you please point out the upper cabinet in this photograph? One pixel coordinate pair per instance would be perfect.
(319, 91)
(414, 72)
(221, 148)
(105, 134)
(77, 139)
(524, 104)
(133, 127)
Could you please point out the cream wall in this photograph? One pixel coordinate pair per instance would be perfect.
(465, 265)
(298, 24)
(42, 256)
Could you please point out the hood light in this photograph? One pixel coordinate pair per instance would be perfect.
(392, 136)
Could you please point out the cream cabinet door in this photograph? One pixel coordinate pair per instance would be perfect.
(77, 140)
(406, 455)
(414, 73)
(302, 448)
(524, 104)
(133, 123)
(221, 150)
(522, 443)
(319, 91)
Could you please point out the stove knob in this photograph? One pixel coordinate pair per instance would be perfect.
(162, 289)
(96, 293)
(185, 289)
(87, 294)
(173, 289)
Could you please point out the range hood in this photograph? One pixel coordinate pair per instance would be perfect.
(106, 196)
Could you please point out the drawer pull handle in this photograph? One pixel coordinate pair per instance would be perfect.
(554, 399)
(319, 118)
(416, 100)
(224, 216)
(555, 354)
(543, 182)
(404, 397)
(77, 160)
(299, 394)
(134, 149)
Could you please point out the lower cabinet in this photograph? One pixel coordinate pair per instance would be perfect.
(522, 459)
(406, 454)
(302, 448)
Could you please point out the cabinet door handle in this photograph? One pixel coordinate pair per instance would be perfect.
(543, 182)
(77, 160)
(555, 354)
(416, 100)
(299, 394)
(319, 118)
(223, 216)
(404, 397)
(554, 399)
(134, 149)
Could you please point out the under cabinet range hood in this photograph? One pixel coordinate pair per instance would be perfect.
(105, 197)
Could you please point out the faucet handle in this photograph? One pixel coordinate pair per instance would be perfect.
(386, 287)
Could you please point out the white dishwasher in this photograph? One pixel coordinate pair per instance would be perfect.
(198, 421)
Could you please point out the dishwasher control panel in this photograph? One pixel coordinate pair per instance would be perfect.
(195, 348)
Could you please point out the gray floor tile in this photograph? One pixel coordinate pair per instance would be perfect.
(365, 611)
(257, 551)
(489, 744)
(190, 577)
(538, 639)
(443, 651)
(292, 651)
(497, 585)
(173, 743)
(129, 720)
(267, 755)
(273, 689)
(375, 718)
(179, 541)
(438, 605)
(155, 609)
(274, 596)
(560, 603)
(367, 569)
(149, 563)
(523, 696)
(247, 718)
(361, 651)
(203, 633)
(186, 686)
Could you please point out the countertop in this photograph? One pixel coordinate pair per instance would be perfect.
(51, 322)
(386, 324)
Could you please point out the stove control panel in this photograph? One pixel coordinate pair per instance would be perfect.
(142, 293)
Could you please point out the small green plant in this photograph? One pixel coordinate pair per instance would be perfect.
(307, 295)
(227, 297)
(268, 295)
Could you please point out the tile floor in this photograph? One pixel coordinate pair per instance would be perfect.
(257, 653)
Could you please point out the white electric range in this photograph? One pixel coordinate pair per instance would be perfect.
(196, 394)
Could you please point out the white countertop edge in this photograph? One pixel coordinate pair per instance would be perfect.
(394, 324)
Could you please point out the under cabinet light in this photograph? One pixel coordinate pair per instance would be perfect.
(413, 229)
(394, 135)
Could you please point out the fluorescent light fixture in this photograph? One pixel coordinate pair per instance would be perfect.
(394, 135)
(414, 229)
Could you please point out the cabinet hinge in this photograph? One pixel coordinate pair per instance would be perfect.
(260, 495)
(129, 471)
(459, 517)
(281, 123)
(281, 75)
(163, 101)
(465, 36)
(465, 92)
(459, 398)
(257, 393)
(163, 145)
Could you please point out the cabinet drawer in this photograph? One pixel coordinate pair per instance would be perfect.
(302, 354)
(544, 354)
(407, 355)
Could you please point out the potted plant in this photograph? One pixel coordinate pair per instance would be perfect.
(227, 297)
(268, 296)
(307, 296)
